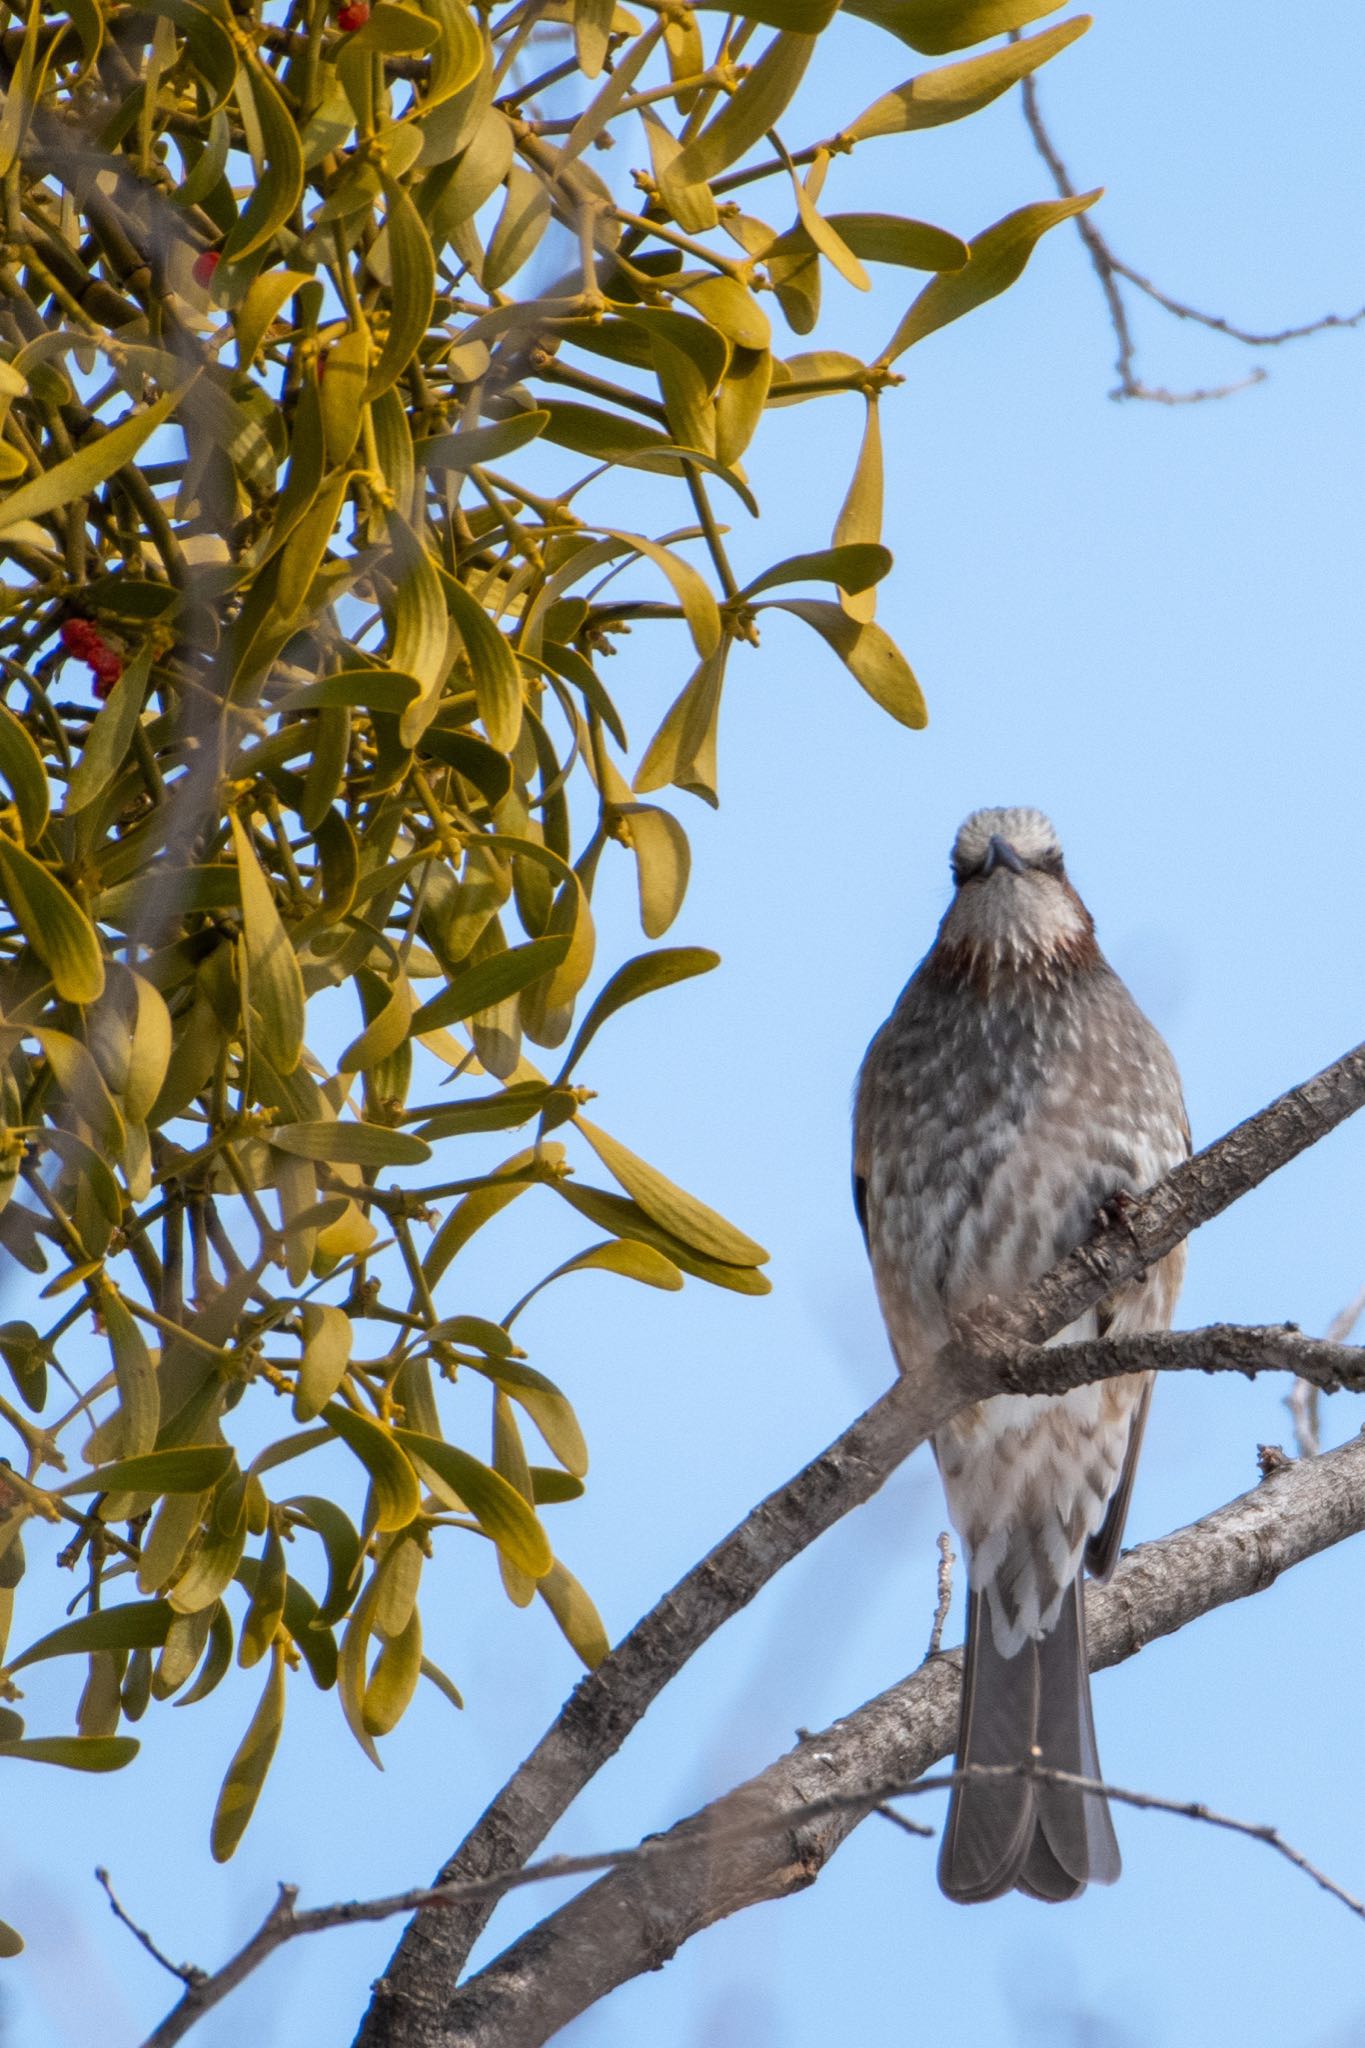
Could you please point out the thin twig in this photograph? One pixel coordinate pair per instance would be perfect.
(189, 1974)
(908, 1827)
(284, 1924)
(946, 1561)
(1304, 1397)
(1150, 1802)
(1109, 268)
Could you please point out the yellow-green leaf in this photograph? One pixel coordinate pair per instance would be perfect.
(385, 1032)
(420, 630)
(22, 767)
(663, 863)
(498, 1508)
(342, 376)
(591, 31)
(191, 1468)
(677, 1211)
(247, 1771)
(852, 567)
(86, 470)
(683, 750)
(443, 1685)
(937, 26)
(74, 1752)
(887, 238)
(259, 305)
(149, 1053)
(273, 138)
(639, 977)
(327, 1339)
(481, 444)
(731, 309)
(266, 1611)
(491, 981)
(275, 980)
(869, 654)
(478, 1207)
(342, 1545)
(139, 1398)
(690, 588)
(692, 206)
(955, 90)
(999, 256)
(618, 1213)
(351, 1665)
(627, 1256)
(57, 929)
(509, 1459)
(393, 1681)
(397, 1495)
(516, 235)
(575, 1613)
(497, 679)
(412, 273)
(760, 102)
(142, 1624)
(549, 1409)
(350, 1144)
(860, 517)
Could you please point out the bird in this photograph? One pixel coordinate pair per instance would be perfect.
(1013, 1099)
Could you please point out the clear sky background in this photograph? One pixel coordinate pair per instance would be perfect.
(1147, 621)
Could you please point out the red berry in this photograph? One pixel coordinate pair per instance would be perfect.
(204, 266)
(353, 15)
(81, 638)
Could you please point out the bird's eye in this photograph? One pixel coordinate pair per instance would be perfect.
(1050, 862)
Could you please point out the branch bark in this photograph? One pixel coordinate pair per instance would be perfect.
(411, 2001)
(638, 1917)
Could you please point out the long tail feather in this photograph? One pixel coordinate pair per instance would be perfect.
(1001, 1833)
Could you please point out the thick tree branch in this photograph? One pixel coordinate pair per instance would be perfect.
(410, 2002)
(638, 1917)
(1325, 1502)
(1221, 1347)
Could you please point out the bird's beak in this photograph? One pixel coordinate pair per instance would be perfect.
(1000, 854)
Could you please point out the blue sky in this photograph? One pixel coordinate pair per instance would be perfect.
(1147, 621)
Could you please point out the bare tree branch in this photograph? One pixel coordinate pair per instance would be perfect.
(188, 1973)
(1322, 1503)
(1109, 268)
(410, 2001)
(637, 1918)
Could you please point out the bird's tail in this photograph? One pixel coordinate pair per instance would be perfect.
(1047, 1840)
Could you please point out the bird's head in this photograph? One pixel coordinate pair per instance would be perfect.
(1014, 912)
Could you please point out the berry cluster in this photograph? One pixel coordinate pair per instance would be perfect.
(353, 15)
(204, 266)
(83, 639)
